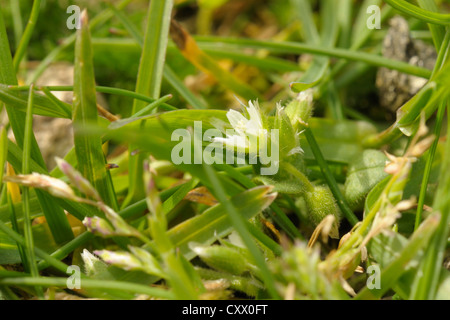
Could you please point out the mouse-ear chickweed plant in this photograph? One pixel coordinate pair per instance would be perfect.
(170, 187)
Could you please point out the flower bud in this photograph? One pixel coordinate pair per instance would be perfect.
(320, 203)
(121, 259)
(300, 109)
(99, 226)
(82, 184)
(221, 258)
(121, 227)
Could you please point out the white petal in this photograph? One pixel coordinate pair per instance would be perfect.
(237, 120)
(232, 141)
(295, 151)
(254, 113)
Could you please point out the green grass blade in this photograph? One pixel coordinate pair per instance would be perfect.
(431, 265)
(89, 284)
(360, 25)
(320, 64)
(298, 48)
(241, 228)
(55, 216)
(90, 157)
(270, 63)
(64, 107)
(305, 15)
(171, 77)
(35, 210)
(3, 152)
(214, 223)
(11, 212)
(178, 196)
(129, 212)
(43, 105)
(15, 227)
(278, 215)
(419, 13)
(342, 203)
(437, 32)
(428, 165)
(344, 18)
(264, 63)
(29, 241)
(58, 265)
(149, 80)
(153, 51)
(102, 89)
(21, 49)
(17, 21)
(168, 73)
(69, 41)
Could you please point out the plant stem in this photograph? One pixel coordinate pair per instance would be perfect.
(299, 175)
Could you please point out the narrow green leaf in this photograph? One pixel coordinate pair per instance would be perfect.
(276, 213)
(11, 254)
(90, 157)
(3, 151)
(429, 164)
(419, 13)
(149, 80)
(345, 19)
(238, 222)
(17, 21)
(171, 77)
(168, 73)
(21, 49)
(153, 51)
(102, 89)
(29, 240)
(44, 106)
(426, 287)
(68, 42)
(305, 14)
(298, 48)
(178, 196)
(437, 32)
(341, 202)
(360, 24)
(328, 38)
(141, 114)
(54, 215)
(89, 284)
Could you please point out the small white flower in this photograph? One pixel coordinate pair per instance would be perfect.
(246, 130)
